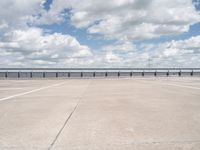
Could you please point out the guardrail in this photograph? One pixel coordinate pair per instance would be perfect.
(95, 72)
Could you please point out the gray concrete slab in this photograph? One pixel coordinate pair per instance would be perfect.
(13, 74)
(174, 73)
(37, 74)
(2, 74)
(51, 74)
(161, 74)
(100, 74)
(88, 74)
(75, 74)
(196, 74)
(135, 74)
(112, 74)
(63, 74)
(101, 114)
(125, 74)
(24, 75)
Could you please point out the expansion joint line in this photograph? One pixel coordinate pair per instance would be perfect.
(68, 118)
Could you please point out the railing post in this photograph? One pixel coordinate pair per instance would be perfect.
(168, 73)
(131, 74)
(6, 74)
(192, 73)
(179, 73)
(93, 74)
(31, 74)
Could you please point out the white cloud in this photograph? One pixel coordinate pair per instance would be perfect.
(18, 48)
(121, 47)
(125, 21)
(16, 13)
(33, 46)
(182, 53)
(128, 19)
(111, 58)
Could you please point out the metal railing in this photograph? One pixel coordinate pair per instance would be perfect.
(95, 72)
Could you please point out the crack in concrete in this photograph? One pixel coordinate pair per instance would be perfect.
(68, 118)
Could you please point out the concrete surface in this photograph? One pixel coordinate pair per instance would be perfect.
(100, 114)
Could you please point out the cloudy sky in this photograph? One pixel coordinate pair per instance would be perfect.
(99, 33)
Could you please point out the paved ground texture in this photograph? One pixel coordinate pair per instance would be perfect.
(100, 114)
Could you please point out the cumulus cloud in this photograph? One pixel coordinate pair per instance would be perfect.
(181, 53)
(123, 47)
(16, 13)
(18, 48)
(33, 46)
(23, 43)
(110, 58)
(127, 20)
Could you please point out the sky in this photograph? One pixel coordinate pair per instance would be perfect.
(100, 33)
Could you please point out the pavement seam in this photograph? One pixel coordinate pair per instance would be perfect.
(68, 118)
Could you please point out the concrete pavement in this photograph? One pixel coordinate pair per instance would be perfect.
(100, 114)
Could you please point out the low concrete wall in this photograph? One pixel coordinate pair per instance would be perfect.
(51, 74)
(93, 74)
(175, 73)
(113, 74)
(63, 74)
(161, 74)
(125, 74)
(137, 74)
(149, 74)
(12, 75)
(24, 74)
(2, 74)
(100, 74)
(196, 74)
(186, 74)
(88, 74)
(76, 74)
(38, 75)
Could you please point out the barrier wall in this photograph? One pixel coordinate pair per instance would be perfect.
(2, 74)
(24, 74)
(125, 74)
(112, 74)
(38, 75)
(196, 73)
(51, 74)
(88, 74)
(96, 74)
(63, 74)
(100, 74)
(161, 74)
(137, 74)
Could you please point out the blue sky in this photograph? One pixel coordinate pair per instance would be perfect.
(95, 42)
(100, 33)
